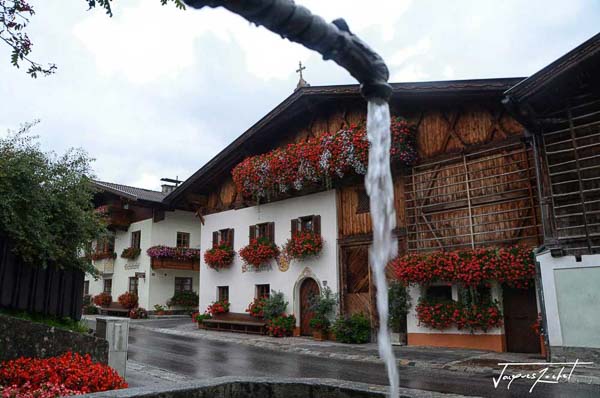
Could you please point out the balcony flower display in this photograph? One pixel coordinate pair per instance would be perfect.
(318, 160)
(303, 244)
(258, 252)
(444, 314)
(177, 253)
(97, 256)
(103, 299)
(220, 256)
(218, 307)
(255, 308)
(131, 253)
(128, 300)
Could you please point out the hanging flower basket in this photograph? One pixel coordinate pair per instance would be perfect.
(318, 160)
(220, 256)
(259, 252)
(304, 244)
(131, 253)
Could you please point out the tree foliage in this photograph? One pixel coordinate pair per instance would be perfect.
(14, 18)
(46, 208)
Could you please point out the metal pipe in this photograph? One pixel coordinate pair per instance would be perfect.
(332, 40)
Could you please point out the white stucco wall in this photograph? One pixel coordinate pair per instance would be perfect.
(242, 284)
(571, 299)
(412, 322)
(159, 285)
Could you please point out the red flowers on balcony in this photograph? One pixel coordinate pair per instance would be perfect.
(220, 256)
(259, 252)
(319, 160)
(304, 244)
(442, 315)
(513, 266)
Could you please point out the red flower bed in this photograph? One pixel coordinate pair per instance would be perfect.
(304, 244)
(103, 299)
(128, 300)
(218, 307)
(258, 252)
(514, 266)
(255, 308)
(442, 315)
(219, 256)
(68, 374)
(281, 326)
(318, 160)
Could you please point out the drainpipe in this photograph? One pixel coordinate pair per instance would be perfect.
(540, 294)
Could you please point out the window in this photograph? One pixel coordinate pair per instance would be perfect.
(222, 293)
(86, 288)
(264, 230)
(308, 223)
(439, 293)
(183, 285)
(107, 286)
(136, 238)
(362, 201)
(183, 239)
(223, 235)
(106, 244)
(133, 285)
(263, 290)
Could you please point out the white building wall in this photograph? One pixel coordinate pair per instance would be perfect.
(323, 269)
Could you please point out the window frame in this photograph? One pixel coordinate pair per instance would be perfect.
(259, 288)
(179, 281)
(105, 283)
(220, 291)
(136, 239)
(225, 234)
(183, 240)
(263, 230)
(136, 282)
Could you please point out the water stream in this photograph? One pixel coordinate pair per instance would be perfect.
(380, 188)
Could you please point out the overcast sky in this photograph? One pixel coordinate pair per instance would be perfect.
(156, 92)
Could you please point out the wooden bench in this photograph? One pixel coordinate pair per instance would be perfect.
(236, 322)
(114, 309)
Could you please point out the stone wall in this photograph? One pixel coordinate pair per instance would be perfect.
(21, 338)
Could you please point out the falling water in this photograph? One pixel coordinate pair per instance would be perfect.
(379, 186)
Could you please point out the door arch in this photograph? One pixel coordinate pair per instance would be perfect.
(308, 289)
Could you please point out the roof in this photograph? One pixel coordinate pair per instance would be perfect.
(130, 192)
(571, 60)
(307, 95)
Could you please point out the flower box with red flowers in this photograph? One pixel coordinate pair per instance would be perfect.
(131, 253)
(445, 314)
(304, 244)
(218, 307)
(318, 160)
(255, 308)
(128, 300)
(103, 299)
(259, 252)
(220, 256)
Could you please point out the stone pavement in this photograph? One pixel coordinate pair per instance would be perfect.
(461, 360)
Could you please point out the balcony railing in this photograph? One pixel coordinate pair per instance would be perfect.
(175, 263)
(116, 216)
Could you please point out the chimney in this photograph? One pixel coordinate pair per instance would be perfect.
(166, 188)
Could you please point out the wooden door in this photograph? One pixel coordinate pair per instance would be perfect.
(357, 290)
(308, 289)
(520, 312)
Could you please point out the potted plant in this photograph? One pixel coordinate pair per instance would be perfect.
(218, 307)
(159, 309)
(131, 253)
(303, 245)
(188, 299)
(220, 256)
(255, 308)
(103, 299)
(323, 306)
(320, 327)
(399, 304)
(258, 252)
(138, 313)
(200, 318)
(128, 300)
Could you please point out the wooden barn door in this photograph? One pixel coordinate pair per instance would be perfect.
(308, 289)
(356, 280)
(520, 312)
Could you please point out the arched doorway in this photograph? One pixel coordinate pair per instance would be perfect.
(308, 289)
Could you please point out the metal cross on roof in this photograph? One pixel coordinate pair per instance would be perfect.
(300, 69)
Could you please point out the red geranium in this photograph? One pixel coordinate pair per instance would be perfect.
(219, 256)
(218, 307)
(258, 252)
(128, 300)
(304, 244)
(281, 326)
(444, 314)
(255, 308)
(103, 299)
(67, 374)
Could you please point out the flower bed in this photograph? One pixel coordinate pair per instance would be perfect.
(255, 308)
(220, 256)
(218, 307)
(258, 252)
(304, 244)
(318, 160)
(514, 266)
(131, 253)
(103, 299)
(442, 315)
(68, 374)
(281, 326)
(128, 300)
(177, 253)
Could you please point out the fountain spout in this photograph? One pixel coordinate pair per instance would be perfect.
(333, 40)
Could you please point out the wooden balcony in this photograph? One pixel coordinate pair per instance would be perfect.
(116, 217)
(173, 263)
(105, 265)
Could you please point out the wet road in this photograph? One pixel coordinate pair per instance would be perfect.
(199, 358)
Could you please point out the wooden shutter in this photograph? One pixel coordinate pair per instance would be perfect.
(271, 232)
(252, 233)
(295, 223)
(230, 237)
(316, 224)
(215, 238)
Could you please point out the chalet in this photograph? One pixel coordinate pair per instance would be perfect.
(138, 220)
(464, 179)
(560, 106)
